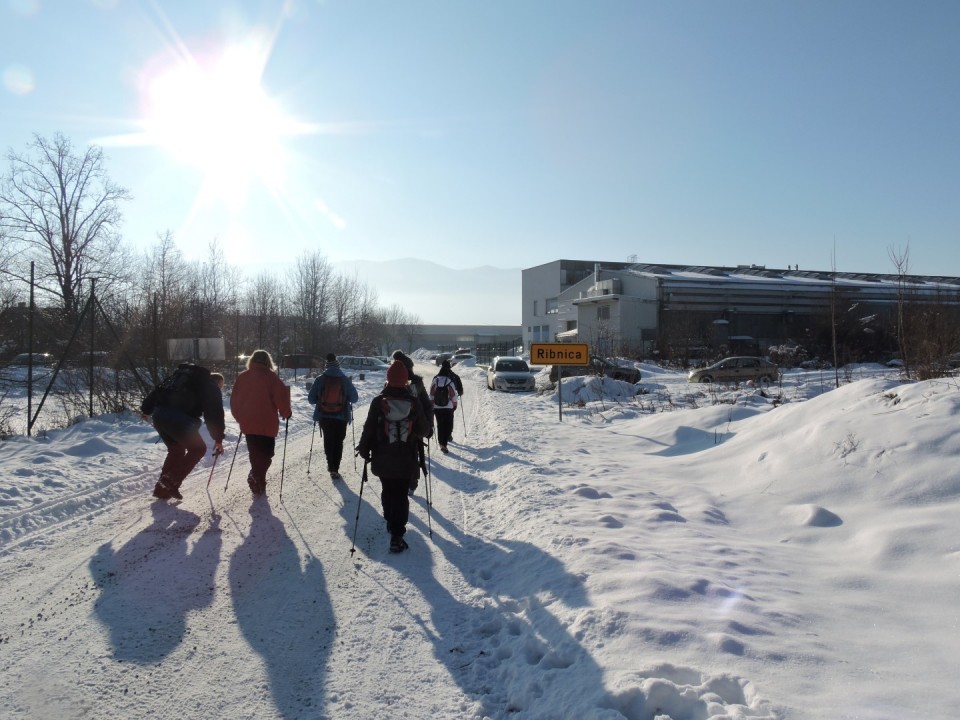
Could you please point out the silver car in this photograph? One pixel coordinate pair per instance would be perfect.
(363, 364)
(737, 369)
(511, 374)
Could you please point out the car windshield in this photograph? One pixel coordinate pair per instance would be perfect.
(512, 366)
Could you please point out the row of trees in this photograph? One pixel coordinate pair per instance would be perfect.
(60, 214)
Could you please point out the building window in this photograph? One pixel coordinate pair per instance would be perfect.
(534, 308)
(603, 312)
(551, 306)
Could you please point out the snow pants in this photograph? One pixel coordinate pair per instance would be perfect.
(334, 432)
(396, 504)
(260, 449)
(185, 448)
(444, 418)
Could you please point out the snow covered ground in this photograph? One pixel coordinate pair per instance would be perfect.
(690, 553)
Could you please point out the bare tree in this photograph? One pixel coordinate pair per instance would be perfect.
(64, 209)
(398, 328)
(218, 286)
(901, 261)
(262, 302)
(311, 282)
(345, 299)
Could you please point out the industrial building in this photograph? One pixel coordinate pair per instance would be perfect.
(644, 309)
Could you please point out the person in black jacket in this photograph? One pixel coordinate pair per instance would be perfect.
(176, 406)
(391, 435)
(445, 397)
(417, 388)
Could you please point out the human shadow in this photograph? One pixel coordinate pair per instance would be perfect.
(509, 651)
(284, 612)
(148, 586)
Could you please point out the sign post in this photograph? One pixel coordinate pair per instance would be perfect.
(558, 355)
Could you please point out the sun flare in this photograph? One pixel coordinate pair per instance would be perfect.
(216, 116)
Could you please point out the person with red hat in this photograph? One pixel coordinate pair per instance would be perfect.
(391, 435)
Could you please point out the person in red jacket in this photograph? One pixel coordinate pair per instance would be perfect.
(258, 401)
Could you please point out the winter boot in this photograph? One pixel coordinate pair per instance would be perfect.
(334, 475)
(398, 544)
(255, 487)
(164, 490)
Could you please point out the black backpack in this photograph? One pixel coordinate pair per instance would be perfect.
(183, 389)
(441, 396)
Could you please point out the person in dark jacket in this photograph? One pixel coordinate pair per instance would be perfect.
(445, 397)
(333, 424)
(389, 441)
(175, 409)
(417, 388)
(258, 401)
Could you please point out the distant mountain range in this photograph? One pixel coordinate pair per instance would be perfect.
(440, 295)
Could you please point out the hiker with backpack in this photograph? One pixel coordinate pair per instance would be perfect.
(418, 390)
(333, 394)
(258, 401)
(445, 396)
(175, 406)
(391, 435)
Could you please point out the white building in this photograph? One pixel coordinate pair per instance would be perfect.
(636, 308)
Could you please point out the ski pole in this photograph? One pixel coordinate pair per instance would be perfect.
(353, 430)
(213, 467)
(310, 455)
(463, 417)
(239, 438)
(356, 522)
(429, 494)
(283, 459)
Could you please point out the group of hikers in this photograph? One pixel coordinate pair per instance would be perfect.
(400, 418)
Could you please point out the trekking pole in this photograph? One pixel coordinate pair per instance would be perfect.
(429, 493)
(353, 430)
(283, 459)
(239, 438)
(310, 456)
(463, 417)
(356, 522)
(213, 467)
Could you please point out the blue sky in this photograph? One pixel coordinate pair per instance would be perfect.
(510, 133)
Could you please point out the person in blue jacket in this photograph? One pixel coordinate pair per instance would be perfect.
(333, 396)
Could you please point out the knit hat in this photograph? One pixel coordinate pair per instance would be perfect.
(405, 359)
(397, 375)
(332, 361)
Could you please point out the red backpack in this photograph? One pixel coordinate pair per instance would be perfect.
(333, 398)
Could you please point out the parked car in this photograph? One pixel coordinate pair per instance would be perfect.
(736, 369)
(440, 357)
(460, 357)
(611, 367)
(362, 364)
(24, 359)
(509, 374)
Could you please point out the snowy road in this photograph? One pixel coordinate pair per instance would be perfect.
(628, 563)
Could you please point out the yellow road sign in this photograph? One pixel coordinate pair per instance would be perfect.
(559, 354)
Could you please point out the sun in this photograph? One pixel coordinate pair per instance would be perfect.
(213, 113)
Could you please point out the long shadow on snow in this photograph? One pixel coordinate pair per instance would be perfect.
(511, 651)
(284, 612)
(148, 586)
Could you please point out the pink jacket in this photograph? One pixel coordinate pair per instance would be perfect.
(258, 401)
